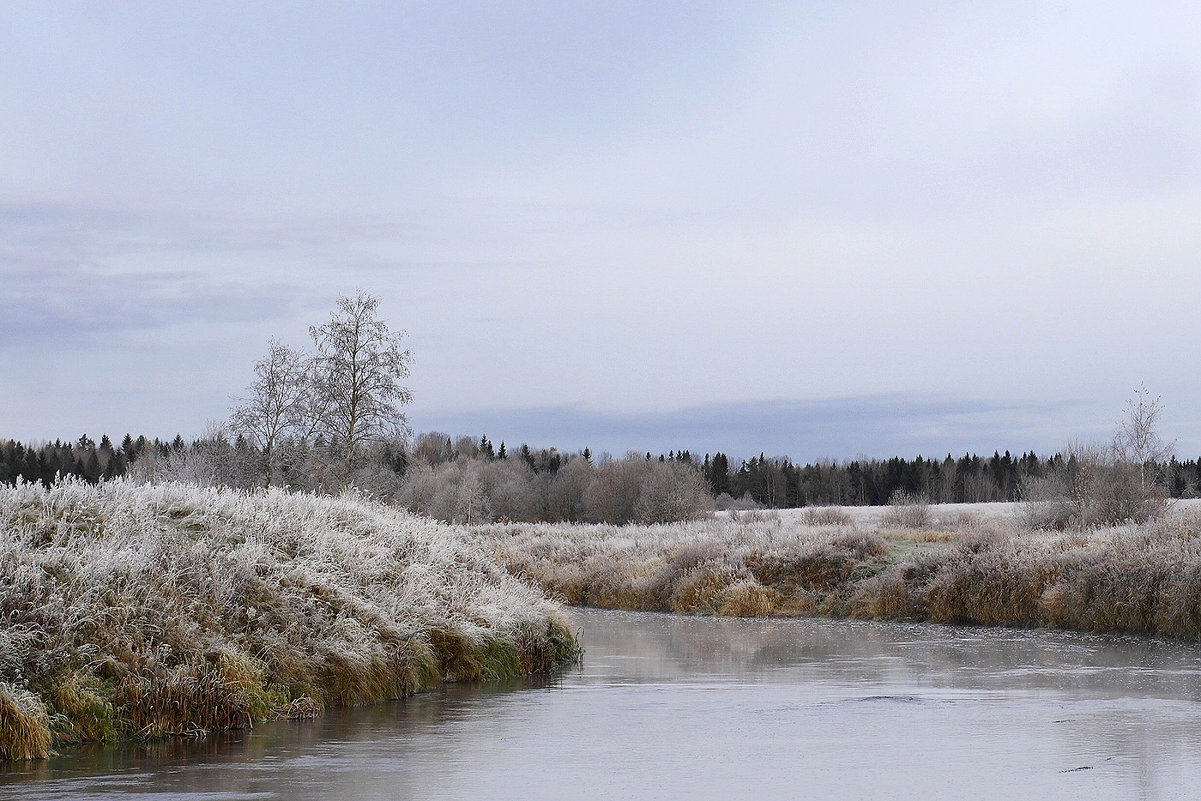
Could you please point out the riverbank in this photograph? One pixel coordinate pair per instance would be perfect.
(964, 569)
(148, 611)
(700, 708)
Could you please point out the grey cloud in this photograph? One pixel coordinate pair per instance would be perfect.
(876, 426)
(38, 232)
(68, 270)
(56, 302)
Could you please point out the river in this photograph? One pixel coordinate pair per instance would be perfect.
(667, 707)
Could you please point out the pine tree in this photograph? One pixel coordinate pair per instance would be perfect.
(116, 465)
(31, 470)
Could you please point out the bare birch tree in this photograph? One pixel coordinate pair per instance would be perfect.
(277, 403)
(357, 374)
(1137, 440)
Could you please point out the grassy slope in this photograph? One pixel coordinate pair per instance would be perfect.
(154, 610)
(1142, 579)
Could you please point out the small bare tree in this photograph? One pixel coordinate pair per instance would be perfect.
(1137, 440)
(277, 404)
(1098, 485)
(357, 374)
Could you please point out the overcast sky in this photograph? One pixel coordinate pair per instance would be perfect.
(812, 229)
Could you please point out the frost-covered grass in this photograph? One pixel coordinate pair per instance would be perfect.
(966, 568)
(945, 514)
(155, 610)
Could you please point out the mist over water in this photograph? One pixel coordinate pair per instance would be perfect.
(702, 708)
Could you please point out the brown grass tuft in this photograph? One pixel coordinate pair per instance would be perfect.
(301, 708)
(747, 598)
(701, 589)
(823, 569)
(24, 725)
(80, 711)
(862, 544)
(187, 701)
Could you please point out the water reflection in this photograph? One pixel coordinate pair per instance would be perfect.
(701, 708)
(832, 652)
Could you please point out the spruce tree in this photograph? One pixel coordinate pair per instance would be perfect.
(91, 469)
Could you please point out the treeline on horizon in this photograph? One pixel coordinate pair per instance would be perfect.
(413, 473)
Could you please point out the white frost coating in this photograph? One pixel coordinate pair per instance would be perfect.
(91, 572)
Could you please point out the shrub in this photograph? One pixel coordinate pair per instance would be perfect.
(907, 511)
(757, 515)
(1091, 491)
(826, 516)
(726, 502)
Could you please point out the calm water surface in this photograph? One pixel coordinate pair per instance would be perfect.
(693, 708)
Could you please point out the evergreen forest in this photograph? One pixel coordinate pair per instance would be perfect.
(762, 481)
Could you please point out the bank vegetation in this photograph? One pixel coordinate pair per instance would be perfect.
(1140, 578)
(153, 610)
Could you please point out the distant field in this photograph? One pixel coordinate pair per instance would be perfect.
(946, 514)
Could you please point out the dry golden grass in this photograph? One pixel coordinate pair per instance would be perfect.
(24, 725)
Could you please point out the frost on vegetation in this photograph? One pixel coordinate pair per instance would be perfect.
(166, 609)
(475, 490)
(907, 510)
(1133, 577)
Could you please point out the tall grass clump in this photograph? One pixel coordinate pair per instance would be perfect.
(166, 609)
(24, 724)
